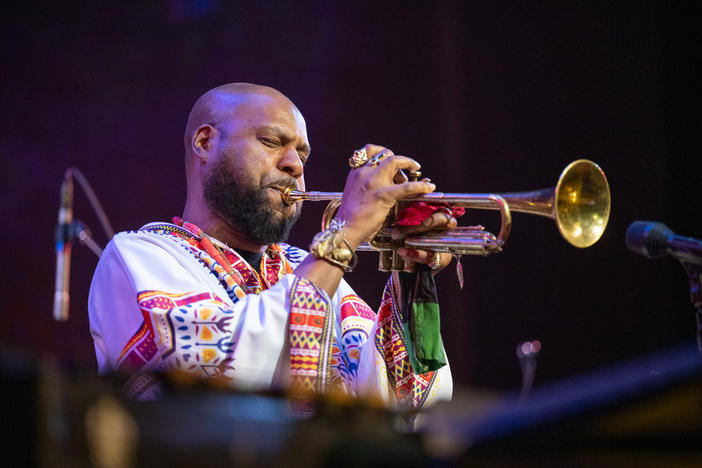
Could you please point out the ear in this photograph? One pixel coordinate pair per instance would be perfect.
(204, 141)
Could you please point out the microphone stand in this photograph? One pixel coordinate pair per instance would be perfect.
(692, 263)
(69, 229)
(694, 273)
(79, 230)
(653, 239)
(527, 352)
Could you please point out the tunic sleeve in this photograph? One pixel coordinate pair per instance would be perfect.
(374, 346)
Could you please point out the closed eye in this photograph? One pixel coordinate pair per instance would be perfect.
(303, 151)
(270, 142)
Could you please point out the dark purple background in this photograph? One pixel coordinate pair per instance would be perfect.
(489, 96)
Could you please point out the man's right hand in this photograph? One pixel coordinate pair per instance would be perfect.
(371, 192)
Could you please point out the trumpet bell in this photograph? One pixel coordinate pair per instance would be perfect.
(582, 203)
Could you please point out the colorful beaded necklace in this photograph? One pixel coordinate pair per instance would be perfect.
(273, 264)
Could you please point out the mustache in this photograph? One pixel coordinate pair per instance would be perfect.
(282, 183)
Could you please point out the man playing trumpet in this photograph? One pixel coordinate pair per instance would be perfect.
(219, 295)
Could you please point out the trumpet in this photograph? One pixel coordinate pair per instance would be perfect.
(579, 204)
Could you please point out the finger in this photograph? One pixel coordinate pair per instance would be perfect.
(438, 220)
(392, 164)
(372, 150)
(378, 157)
(384, 152)
(406, 190)
(423, 256)
(400, 177)
(418, 256)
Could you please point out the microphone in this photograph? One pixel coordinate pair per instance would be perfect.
(64, 236)
(653, 239)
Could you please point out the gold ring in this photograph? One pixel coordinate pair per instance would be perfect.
(358, 159)
(448, 212)
(435, 263)
(375, 160)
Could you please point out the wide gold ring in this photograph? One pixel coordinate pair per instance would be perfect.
(435, 263)
(358, 158)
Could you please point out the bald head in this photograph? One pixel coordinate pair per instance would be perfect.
(219, 105)
(223, 110)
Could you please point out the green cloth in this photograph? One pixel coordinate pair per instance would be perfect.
(421, 321)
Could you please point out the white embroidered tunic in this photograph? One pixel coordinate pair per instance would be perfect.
(159, 302)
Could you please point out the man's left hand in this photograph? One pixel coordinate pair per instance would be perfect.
(438, 220)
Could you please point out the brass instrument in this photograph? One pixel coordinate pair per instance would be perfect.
(579, 204)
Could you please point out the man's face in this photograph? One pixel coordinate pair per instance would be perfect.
(263, 146)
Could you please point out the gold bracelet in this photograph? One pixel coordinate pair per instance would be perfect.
(330, 246)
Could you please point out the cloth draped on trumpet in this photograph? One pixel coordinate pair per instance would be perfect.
(159, 302)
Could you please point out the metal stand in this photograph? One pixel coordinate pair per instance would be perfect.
(85, 237)
(527, 352)
(694, 273)
(69, 229)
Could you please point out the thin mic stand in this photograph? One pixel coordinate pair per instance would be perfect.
(69, 229)
(94, 202)
(692, 263)
(694, 273)
(79, 230)
(653, 239)
(527, 352)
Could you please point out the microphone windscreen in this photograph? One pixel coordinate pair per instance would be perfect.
(648, 238)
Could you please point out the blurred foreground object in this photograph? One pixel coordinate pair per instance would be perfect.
(643, 412)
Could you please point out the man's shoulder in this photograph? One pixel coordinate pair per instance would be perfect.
(158, 227)
(157, 233)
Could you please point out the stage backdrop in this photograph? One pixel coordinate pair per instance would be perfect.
(488, 96)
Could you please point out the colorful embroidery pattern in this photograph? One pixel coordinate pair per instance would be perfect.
(173, 230)
(194, 331)
(273, 265)
(234, 290)
(411, 390)
(356, 323)
(294, 254)
(190, 332)
(310, 337)
(189, 241)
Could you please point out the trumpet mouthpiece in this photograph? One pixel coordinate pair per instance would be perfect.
(285, 194)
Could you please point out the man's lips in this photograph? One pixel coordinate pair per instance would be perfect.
(278, 194)
(281, 187)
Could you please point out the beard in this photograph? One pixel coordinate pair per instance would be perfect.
(248, 209)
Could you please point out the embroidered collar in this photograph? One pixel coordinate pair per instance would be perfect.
(273, 264)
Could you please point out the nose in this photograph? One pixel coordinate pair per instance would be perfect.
(290, 163)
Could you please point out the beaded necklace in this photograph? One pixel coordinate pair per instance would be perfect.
(273, 263)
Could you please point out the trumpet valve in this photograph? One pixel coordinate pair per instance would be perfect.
(414, 176)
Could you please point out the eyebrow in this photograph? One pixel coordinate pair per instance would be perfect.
(285, 135)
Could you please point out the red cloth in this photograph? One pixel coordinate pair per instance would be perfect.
(416, 212)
